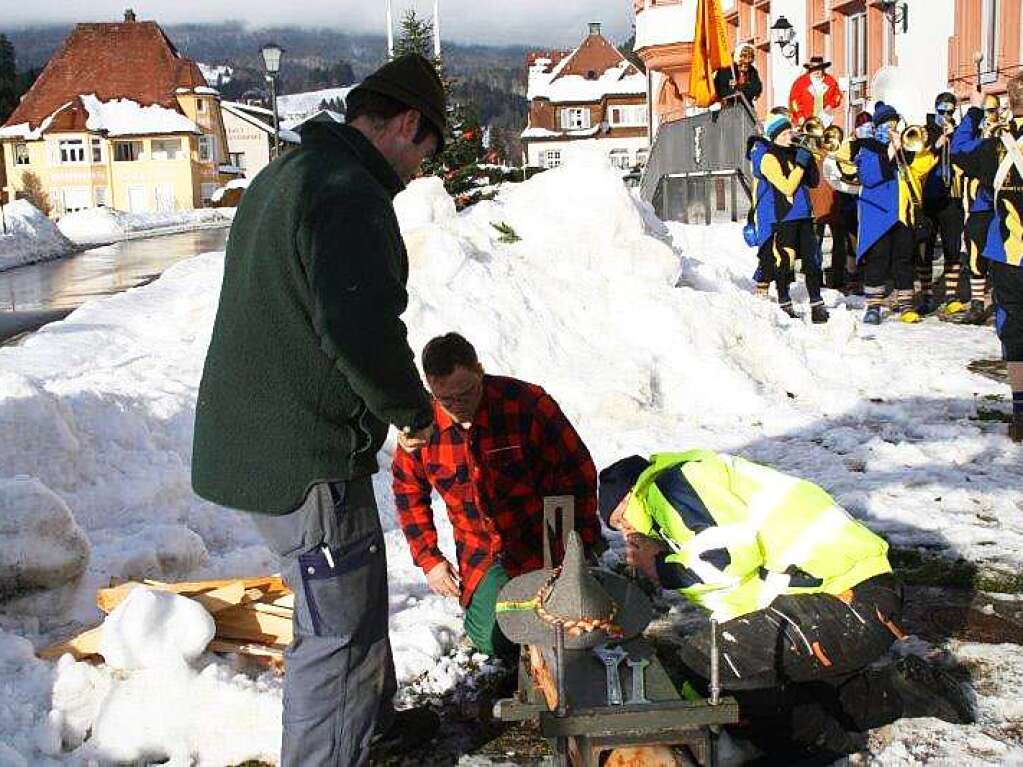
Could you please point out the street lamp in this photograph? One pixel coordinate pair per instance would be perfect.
(897, 13)
(272, 54)
(784, 35)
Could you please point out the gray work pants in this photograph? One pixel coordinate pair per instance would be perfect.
(339, 674)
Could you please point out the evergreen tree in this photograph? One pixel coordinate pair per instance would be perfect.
(8, 79)
(458, 164)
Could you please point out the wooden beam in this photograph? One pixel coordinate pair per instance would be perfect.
(110, 598)
(242, 623)
(81, 646)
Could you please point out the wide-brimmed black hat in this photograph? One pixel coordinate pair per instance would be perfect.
(411, 80)
(816, 62)
(594, 606)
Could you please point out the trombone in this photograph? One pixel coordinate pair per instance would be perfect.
(818, 140)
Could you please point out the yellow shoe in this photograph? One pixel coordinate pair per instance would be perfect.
(909, 316)
(953, 307)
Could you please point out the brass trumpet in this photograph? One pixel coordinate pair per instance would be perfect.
(914, 138)
(818, 139)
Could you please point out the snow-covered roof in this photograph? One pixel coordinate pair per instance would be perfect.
(24, 130)
(568, 88)
(205, 90)
(124, 117)
(540, 133)
(295, 125)
(295, 106)
(665, 24)
(254, 117)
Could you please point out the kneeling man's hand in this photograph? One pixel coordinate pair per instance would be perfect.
(641, 552)
(444, 580)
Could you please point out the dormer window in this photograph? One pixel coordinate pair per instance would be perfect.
(591, 74)
(575, 118)
(200, 105)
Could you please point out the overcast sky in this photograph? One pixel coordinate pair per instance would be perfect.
(511, 22)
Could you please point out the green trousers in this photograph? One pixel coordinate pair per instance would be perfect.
(481, 616)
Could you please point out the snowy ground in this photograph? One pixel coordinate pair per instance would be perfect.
(30, 236)
(646, 334)
(93, 226)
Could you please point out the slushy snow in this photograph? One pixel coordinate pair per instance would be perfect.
(30, 236)
(646, 334)
(101, 225)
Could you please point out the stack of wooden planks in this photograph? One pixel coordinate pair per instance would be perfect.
(252, 615)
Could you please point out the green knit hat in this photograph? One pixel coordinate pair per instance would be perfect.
(413, 81)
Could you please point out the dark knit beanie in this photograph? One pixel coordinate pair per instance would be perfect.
(413, 81)
(884, 113)
(616, 482)
(945, 98)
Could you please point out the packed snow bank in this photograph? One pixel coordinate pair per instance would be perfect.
(647, 336)
(154, 629)
(96, 225)
(30, 237)
(41, 546)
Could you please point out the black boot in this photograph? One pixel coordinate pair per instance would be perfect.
(410, 729)
(787, 308)
(926, 690)
(818, 313)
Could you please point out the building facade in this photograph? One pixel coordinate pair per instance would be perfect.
(119, 118)
(924, 47)
(592, 94)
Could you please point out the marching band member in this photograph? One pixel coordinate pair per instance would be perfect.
(980, 210)
(943, 208)
(891, 189)
(784, 173)
(840, 172)
(997, 162)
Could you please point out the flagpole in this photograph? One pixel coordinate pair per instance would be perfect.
(436, 29)
(390, 32)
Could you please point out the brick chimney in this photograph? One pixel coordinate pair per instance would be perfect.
(594, 27)
(129, 16)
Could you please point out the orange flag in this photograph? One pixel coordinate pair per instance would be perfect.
(711, 51)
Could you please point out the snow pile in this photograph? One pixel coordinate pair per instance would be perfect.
(238, 183)
(124, 117)
(41, 546)
(30, 237)
(153, 629)
(649, 338)
(99, 225)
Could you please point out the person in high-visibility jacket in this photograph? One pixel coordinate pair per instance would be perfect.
(804, 594)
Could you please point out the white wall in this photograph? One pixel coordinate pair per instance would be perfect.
(922, 53)
(535, 148)
(785, 71)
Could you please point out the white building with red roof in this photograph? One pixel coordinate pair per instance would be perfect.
(592, 94)
(118, 118)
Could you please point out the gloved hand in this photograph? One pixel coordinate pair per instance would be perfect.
(804, 158)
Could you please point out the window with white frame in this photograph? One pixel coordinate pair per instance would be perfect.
(575, 118)
(619, 159)
(97, 150)
(633, 116)
(71, 150)
(551, 158)
(100, 193)
(856, 64)
(127, 151)
(21, 154)
(990, 34)
(642, 155)
(207, 148)
(167, 149)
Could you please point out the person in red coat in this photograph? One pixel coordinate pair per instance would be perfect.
(814, 93)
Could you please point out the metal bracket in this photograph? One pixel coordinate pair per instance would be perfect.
(558, 510)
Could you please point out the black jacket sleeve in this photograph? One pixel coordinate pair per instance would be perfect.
(722, 83)
(977, 160)
(754, 87)
(356, 269)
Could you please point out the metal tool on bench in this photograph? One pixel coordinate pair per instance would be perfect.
(612, 658)
(638, 668)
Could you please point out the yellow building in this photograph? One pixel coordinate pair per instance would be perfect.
(118, 118)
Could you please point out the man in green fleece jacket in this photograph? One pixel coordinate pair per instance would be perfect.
(308, 364)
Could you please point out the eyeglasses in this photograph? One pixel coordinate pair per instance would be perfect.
(946, 111)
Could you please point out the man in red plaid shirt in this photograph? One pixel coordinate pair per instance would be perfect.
(499, 447)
